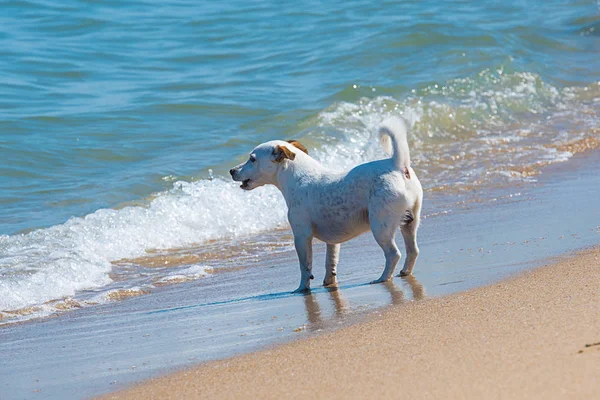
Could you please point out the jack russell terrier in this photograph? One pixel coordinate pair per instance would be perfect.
(381, 195)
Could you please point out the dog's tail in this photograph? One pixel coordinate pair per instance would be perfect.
(392, 136)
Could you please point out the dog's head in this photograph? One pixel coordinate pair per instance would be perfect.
(264, 162)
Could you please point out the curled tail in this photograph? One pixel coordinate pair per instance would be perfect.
(392, 136)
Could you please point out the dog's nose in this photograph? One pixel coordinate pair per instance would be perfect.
(231, 171)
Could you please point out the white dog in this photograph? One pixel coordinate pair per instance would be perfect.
(381, 195)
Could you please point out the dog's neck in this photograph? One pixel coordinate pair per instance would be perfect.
(291, 174)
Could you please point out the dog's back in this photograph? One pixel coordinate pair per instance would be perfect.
(339, 205)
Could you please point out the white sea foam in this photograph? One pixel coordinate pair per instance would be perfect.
(190, 273)
(56, 262)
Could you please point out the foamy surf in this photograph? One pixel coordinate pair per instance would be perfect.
(492, 129)
(58, 262)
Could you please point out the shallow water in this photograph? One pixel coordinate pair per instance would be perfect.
(112, 113)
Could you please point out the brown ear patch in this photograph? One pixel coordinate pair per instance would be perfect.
(281, 153)
(298, 145)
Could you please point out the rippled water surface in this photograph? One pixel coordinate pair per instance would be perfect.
(111, 114)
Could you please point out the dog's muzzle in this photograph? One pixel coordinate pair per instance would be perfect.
(245, 182)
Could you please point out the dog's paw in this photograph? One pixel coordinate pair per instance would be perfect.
(404, 273)
(302, 289)
(330, 281)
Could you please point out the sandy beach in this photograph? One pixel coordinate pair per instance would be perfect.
(533, 336)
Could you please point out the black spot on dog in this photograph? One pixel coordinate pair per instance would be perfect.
(408, 218)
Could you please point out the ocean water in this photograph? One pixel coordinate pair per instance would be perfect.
(119, 121)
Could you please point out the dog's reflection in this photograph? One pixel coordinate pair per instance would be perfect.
(313, 309)
(416, 289)
(397, 295)
(340, 306)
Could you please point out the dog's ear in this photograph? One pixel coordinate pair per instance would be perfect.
(298, 145)
(281, 153)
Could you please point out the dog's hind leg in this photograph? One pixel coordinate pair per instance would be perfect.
(409, 233)
(384, 232)
(331, 261)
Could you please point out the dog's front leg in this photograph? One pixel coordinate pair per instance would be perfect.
(303, 243)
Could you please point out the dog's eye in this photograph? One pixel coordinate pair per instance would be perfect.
(252, 158)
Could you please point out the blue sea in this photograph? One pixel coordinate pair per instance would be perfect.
(119, 120)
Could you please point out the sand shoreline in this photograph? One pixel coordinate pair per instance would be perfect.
(524, 337)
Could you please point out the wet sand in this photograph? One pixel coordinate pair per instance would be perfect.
(533, 336)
